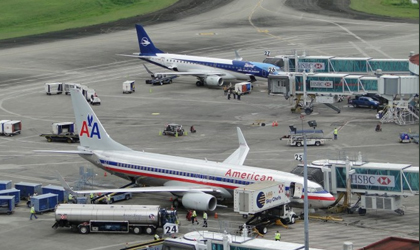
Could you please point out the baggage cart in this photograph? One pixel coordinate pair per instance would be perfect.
(44, 202)
(12, 192)
(7, 204)
(128, 87)
(28, 189)
(58, 190)
(54, 88)
(10, 128)
(5, 185)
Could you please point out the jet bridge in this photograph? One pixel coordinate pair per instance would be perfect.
(379, 185)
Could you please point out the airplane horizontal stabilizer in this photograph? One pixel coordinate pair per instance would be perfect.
(238, 157)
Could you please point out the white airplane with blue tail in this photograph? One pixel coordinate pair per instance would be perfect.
(209, 71)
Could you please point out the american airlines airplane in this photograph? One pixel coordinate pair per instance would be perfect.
(209, 71)
(198, 183)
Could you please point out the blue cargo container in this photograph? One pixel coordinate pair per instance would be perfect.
(7, 204)
(5, 185)
(58, 190)
(44, 202)
(28, 189)
(12, 191)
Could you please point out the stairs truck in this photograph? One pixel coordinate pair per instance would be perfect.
(267, 202)
(137, 219)
(62, 131)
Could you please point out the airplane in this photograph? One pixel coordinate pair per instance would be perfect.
(199, 183)
(209, 71)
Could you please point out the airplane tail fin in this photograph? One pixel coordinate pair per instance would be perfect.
(238, 157)
(147, 48)
(92, 134)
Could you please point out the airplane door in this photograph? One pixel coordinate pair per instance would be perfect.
(297, 191)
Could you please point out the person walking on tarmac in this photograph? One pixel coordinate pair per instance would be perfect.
(335, 133)
(277, 236)
(194, 217)
(156, 237)
(204, 219)
(91, 198)
(108, 199)
(33, 213)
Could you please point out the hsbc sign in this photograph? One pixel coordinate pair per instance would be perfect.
(373, 180)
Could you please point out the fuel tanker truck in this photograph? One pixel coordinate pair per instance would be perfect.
(92, 218)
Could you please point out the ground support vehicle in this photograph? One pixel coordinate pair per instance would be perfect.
(267, 201)
(161, 80)
(313, 137)
(173, 129)
(243, 88)
(405, 138)
(364, 101)
(128, 87)
(28, 189)
(54, 88)
(10, 128)
(12, 192)
(90, 218)
(62, 131)
(5, 185)
(117, 197)
(7, 204)
(62, 194)
(44, 202)
(95, 100)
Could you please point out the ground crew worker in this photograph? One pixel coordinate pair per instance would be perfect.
(108, 199)
(91, 198)
(194, 217)
(204, 219)
(33, 213)
(70, 198)
(157, 237)
(335, 133)
(277, 236)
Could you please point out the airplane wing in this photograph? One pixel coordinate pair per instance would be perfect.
(148, 190)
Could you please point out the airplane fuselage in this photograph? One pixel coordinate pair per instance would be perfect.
(226, 69)
(156, 169)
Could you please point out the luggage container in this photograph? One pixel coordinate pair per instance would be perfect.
(5, 185)
(44, 202)
(12, 192)
(6, 204)
(28, 189)
(54, 88)
(128, 87)
(58, 190)
(10, 128)
(243, 88)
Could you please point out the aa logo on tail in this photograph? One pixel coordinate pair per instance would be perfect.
(90, 128)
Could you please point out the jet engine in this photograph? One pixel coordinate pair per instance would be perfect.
(199, 201)
(214, 81)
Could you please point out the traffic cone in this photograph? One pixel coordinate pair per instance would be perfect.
(216, 215)
(104, 174)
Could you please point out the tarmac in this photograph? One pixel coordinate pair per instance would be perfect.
(135, 119)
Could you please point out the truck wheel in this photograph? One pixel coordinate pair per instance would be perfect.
(137, 230)
(262, 229)
(84, 229)
(111, 201)
(299, 144)
(69, 140)
(292, 220)
(149, 230)
(127, 197)
(49, 139)
(317, 143)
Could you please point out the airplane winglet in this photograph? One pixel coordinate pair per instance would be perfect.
(148, 71)
(64, 183)
(238, 157)
(238, 57)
